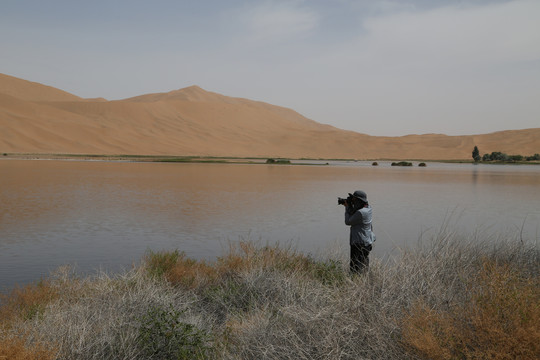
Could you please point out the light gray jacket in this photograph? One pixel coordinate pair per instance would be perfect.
(361, 226)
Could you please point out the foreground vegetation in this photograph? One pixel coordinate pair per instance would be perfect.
(448, 299)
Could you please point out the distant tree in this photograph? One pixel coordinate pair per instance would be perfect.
(502, 157)
(516, 157)
(498, 156)
(476, 154)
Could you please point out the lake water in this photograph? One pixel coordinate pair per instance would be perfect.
(105, 215)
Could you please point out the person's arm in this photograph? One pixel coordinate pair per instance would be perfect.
(353, 219)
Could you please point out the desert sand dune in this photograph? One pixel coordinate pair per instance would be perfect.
(35, 118)
(32, 91)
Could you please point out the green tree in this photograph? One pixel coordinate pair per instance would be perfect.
(476, 154)
(516, 157)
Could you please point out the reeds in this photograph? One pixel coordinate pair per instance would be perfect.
(447, 298)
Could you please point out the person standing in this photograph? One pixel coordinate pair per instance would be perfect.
(359, 216)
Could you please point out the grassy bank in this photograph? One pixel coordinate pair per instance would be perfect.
(449, 298)
(161, 159)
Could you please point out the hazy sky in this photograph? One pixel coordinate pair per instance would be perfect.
(376, 67)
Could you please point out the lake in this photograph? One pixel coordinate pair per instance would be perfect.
(106, 215)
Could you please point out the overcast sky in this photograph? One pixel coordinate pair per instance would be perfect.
(377, 67)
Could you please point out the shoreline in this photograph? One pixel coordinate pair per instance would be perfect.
(192, 158)
(227, 159)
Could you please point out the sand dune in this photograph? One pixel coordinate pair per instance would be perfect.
(35, 118)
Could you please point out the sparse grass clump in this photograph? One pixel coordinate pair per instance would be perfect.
(448, 298)
(179, 270)
(159, 263)
(500, 321)
(26, 302)
(162, 335)
(16, 348)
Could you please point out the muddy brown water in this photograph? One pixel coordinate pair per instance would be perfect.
(105, 215)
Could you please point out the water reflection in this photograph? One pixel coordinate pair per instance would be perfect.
(103, 214)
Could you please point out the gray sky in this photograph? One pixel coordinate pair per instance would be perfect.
(377, 67)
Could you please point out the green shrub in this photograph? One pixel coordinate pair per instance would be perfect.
(516, 157)
(278, 161)
(402, 163)
(163, 336)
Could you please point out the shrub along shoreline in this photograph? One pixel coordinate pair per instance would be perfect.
(446, 298)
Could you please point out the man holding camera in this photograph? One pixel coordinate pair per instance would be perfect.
(359, 216)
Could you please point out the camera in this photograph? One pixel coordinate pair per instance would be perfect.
(348, 200)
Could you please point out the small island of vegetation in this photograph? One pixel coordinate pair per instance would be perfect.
(500, 157)
(402, 163)
(278, 161)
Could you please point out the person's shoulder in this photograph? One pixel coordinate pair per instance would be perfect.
(366, 209)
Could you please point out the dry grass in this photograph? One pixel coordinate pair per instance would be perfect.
(501, 320)
(448, 298)
(16, 348)
(243, 257)
(26, 302)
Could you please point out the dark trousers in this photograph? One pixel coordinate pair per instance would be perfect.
(359, 258)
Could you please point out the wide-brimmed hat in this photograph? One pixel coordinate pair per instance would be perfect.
(359, 194)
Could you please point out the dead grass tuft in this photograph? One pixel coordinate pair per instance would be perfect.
(26, 302)
(501, 320)
(190, 273)
(16, 348)
(285, 260)
(243, 257)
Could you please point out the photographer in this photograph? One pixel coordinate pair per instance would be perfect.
(359, 215)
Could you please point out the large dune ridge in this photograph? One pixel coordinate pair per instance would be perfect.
(36, 118)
